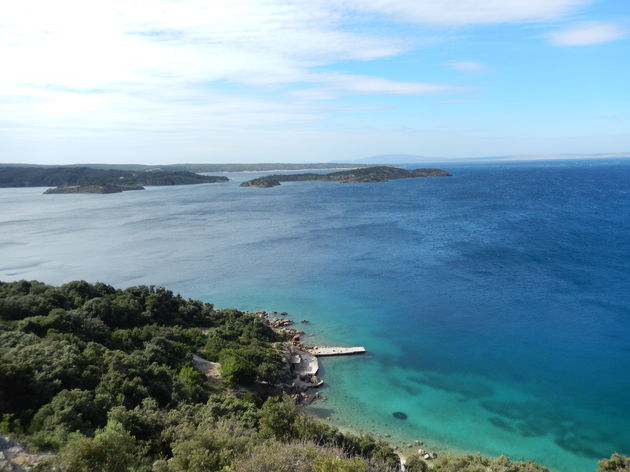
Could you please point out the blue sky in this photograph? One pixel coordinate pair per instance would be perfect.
(159, 81)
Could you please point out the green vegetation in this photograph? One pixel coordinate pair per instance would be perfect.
(478, 463)
(616, 463)
(104, 377)
(83, 176)
(106, 188)
(362, 175)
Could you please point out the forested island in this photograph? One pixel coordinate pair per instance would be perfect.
(362, 175)
(103, 379)
(89, 180)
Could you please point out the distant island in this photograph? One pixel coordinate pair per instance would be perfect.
(361, 175)
(257, 167)
(106, 188)
(89, 180)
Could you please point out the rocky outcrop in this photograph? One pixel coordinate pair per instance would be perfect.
(302, 365)
(281, 324)
(427, 455)
(363, 175)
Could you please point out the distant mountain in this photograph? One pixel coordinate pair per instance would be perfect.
(395, 159)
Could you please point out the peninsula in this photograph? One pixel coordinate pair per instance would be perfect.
(363, 175)
(89, 180)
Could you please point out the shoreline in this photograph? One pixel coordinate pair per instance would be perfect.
(305, 369)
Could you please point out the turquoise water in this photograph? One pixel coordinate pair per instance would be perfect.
(494, 304)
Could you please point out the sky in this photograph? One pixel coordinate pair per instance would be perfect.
(168, 81)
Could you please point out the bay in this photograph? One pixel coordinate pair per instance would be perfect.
(494, 304)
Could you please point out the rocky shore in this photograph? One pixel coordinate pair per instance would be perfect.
(303, 365)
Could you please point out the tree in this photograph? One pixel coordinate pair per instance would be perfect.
(193, 384)
(210, 450)
(112, 449)
(69, 411)
(278, 417)
(236, 369)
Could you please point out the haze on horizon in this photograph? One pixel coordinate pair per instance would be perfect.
(164, 81)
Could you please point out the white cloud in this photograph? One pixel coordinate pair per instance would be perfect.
(467, 12)
(92, 66)
(115, 63)
(377, 85)
(334, 85)
(587, 33)
(465, 65)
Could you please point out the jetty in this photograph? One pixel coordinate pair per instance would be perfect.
(305, 360)
(336, 351)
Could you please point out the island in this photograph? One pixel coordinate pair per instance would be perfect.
(101, 181)
(106, 188)
(362, 175)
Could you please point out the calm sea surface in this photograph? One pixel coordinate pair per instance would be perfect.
(495, 304)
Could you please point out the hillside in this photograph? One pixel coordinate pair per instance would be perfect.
(104, 379)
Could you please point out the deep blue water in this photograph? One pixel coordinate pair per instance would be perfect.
(494, 304)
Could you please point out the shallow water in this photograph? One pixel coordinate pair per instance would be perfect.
(495, 304)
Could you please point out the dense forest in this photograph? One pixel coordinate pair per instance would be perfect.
(13, 176)
(104, 378)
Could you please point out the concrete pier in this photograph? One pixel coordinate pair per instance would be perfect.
(337, 351)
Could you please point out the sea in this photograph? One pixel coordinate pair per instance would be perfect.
(494, 304)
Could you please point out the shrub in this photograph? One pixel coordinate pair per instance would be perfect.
(112, 449)
(415, 464)
(616, 463)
